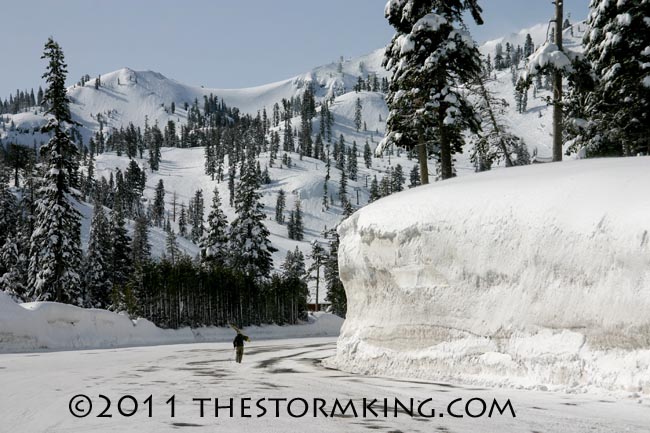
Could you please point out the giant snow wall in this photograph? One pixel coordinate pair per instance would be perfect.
(533, 276)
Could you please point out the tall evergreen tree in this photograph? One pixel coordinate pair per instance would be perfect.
(280, 203)
(158, 208)
(214, 245)
(414, 177)
(374, 189)
(121, 266)
(397, 179)
(431, 57)
(357, 114)
(172, 251)
(617, 46)
(298, 227)
(335, 290)
(249, 238)
(55, 250)
(197, 217)
(97, 275)
(367, 155)
(182, 221)
(352, 161)
(140, 247)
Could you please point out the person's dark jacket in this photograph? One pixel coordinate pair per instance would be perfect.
(238, 341)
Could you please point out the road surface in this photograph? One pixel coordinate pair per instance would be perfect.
(36, 391)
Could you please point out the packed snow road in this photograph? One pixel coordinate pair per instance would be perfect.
(37, 390)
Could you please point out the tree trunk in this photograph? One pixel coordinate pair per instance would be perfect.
(446, 171)
(557, 87)
(423, 160)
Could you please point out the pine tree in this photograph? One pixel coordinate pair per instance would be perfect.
(97, 275)
(197, 217)
(430, 55)
(214, 246)
(335, 290)
(318, 257)
(140, 247)
(357, 114)
(158, 209)
(172, 251)
(397, 179)
(13, 267)
(325, 203)
(414, 177)
(352, 162)
(291, 224)
(528, 46)
(249, 238)
(374, 189)
(55, 247)
(298, 228)
(367, 155)
(182, 222)
(121, 266)
(279, 207)
(343, 187)
(617, 45)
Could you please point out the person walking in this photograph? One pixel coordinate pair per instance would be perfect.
(238, 343)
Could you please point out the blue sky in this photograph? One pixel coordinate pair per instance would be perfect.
(216, 43)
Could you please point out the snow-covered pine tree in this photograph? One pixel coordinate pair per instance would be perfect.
(197, 215)
(414, 177)
(298, 227)
(335, 290)
(182, 221)
(158, 208)
(352, 161)
(431, 56)
(121, 266)
(357, 114)
(397, 179)
(528, 46)
(249, 238)
(55, 246)
(172, 252)
(367, 155)
(214, 245)
(290, 225)
(13, 267)
(617, 45)
(374, 189)
(8, 204)
(280, 203)
(140, 247)
(97, 275)
(343, 187)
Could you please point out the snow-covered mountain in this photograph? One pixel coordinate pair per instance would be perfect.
(126, 96)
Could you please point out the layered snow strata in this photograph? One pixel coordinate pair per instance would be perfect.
(535, 276)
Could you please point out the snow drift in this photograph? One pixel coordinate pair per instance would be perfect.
(534, 276)
(52, 326)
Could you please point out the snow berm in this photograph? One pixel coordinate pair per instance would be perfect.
(534, 276)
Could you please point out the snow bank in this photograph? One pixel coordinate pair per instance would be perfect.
(534, 276)
(53, 326)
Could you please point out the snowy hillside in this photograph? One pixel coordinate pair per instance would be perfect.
(539, 276)
(132, 96)
(127, 96)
